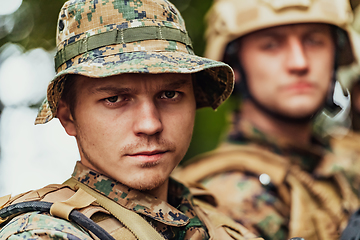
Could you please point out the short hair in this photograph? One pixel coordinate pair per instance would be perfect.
(69, 93)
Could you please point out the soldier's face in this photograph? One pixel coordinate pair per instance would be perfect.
(289, 68)
(134, 128)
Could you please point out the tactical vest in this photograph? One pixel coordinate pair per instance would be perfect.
(318, 209)
(122, 223)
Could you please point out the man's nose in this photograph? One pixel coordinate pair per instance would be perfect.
(147, 119)
(297, 61)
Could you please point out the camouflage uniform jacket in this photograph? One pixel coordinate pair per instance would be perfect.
(277, 189)
(192, 218)
(179, 222)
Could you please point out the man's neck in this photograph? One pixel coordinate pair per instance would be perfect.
(160, 192)
(297, 133)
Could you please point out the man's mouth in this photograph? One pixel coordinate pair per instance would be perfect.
(148, 153)
(300, 87)
(148, 156)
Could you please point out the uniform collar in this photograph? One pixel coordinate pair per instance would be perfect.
(137, 201)
(307, 156)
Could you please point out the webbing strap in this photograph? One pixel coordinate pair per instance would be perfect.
(4, 200)
(80, 199)
(117, 36)
(131, 220)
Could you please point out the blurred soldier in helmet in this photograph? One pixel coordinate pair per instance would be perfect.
(272, 174)
(127, 88)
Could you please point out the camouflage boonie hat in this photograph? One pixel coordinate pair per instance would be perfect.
(104, 38)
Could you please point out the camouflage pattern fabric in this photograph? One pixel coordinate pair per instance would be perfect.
(312, 196)
(347, 149)
(174, 220)
(105, 38)
(37, 226)
(305, 156)
(171, 222)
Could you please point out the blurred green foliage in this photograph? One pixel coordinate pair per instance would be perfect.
(209, 124)
(34, 25)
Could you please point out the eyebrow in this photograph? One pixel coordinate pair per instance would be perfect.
(113, 90)
(177, 83)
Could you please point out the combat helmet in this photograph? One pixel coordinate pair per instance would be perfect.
(231, 19)
(103, 38)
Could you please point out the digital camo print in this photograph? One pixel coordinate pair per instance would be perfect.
(303, 191)
(173, 223)
(174, 220)
(104, 38)
(36, 226)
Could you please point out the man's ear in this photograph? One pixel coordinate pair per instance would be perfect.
(237, 76)
(64, 115)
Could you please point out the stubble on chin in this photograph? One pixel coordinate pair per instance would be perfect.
(149, 164)
(149, 186)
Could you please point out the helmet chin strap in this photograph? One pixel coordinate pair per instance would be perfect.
(281, 116)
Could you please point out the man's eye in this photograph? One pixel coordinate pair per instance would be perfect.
(169, 94)
(270, 45)
(112, 99)
(314, 41)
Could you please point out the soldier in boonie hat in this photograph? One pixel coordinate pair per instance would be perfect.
(130, 37)
(127, 88)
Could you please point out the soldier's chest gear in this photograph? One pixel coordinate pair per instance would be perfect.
(318, 208)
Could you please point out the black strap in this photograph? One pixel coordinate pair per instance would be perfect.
(117, 36)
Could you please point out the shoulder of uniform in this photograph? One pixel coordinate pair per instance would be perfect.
(200, 193)
(59, 201)
(347, 142)
(50, 193)
(219, 225)
(34, 225)
(232, 157)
